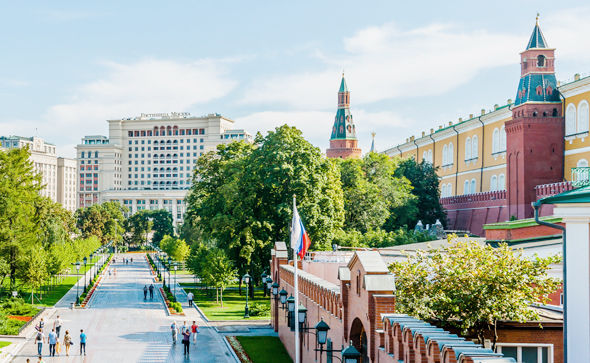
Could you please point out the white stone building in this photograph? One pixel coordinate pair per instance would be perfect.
(58, 175)
(147, 161)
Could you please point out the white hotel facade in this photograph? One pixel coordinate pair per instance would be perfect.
(58, 175)
(147, 162)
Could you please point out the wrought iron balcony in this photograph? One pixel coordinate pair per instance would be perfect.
(580, 176)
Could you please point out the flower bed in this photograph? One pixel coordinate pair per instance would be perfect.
(173, 307)
(90, 292)
(238, 349)
(20, 318)
(153, 268)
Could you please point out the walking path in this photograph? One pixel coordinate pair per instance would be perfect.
(122, 327)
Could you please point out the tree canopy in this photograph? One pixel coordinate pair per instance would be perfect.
(425, 205)
(472, 286)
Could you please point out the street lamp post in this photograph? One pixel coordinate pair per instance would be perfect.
(92, 266)
(85, 260)
(77, 282)
(246, 280)
(169, 262)
(263, 278)
(175, 269)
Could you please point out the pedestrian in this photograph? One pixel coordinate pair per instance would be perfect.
(145, 291)
(40, 360)
(151, 291)
(57, 325)
(82, 342)
(174, 331)
(109, 272)
(41, 325)
(195, 330)
(184, 327)
(186, 341)
(115, 272)
(190, 297)
(52, 340)
(131, 259)
(39, 341)
(67, 342)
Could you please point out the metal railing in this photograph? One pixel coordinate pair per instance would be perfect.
(580, 176)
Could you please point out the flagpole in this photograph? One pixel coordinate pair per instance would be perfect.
(296, 287)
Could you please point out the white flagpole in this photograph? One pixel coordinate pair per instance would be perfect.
(296, 287)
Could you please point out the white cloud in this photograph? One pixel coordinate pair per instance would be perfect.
(385, 62)
(149, 85)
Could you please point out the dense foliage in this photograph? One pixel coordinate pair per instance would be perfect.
(425, 205)
(36, 234)
(472, 286)
(175, 248)
(242, 194)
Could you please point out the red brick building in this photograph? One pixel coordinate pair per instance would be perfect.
(343, 141)
(359, 307)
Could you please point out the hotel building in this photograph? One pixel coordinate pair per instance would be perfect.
(147, 162)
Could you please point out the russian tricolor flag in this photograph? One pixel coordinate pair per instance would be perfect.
(300, 241)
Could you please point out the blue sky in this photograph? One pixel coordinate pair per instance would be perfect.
(68, 66)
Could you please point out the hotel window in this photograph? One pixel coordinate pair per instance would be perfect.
(501, 182)
(466, 187)
(468, 149)
(493, 183)
(474, 147)
(496, 141)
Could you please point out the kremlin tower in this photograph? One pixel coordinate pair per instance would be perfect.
(534, 136)
(343, 142)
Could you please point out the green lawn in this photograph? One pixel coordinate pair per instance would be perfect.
(56, 293)
(83, 269)
(264, 349)
(4, 344)
(233, 304)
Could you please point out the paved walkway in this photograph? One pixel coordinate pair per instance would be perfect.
(122, 327)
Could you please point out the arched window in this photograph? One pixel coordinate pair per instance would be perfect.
(540, 61)
(583, 116)
(494, 183)
(496, 141)
(472, 190)
(474, 147)
(570, 120)
(430, 156)
(582, 163)
(425, 155)
(501, 182)
(466, 187)
(468, 148)
(449, 190)
(503, 139)
(451, 156)
(444, 155)
(443, 191)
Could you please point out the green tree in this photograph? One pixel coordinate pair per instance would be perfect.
(138, 226)
(19, 194)
(175, 248)
(371, 191)
(162, 225)
(242, 198)
(471, 286)
(34, 269)
(104, 221)
(218, 271)
(426, 206)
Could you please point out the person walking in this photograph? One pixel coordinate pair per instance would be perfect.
(52, 340)
(39, 341)
(41, 325)
(186, 341)
(190, 297)
(57, 325)
(174, 331)
(145, 291)
(194, 330)
(184, 327)
(151, 291)
(82, 342)
(67, 342)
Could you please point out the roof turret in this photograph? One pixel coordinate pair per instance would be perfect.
(343, 86)
(537, 40)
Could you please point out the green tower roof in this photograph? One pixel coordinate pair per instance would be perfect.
(343, 86)
(537, 40)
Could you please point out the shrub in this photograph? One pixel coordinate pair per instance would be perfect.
(18, 306)
(259, 309)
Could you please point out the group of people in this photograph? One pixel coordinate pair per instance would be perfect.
(128, 260)
(52, 339)
(145, 291)
(186, 332)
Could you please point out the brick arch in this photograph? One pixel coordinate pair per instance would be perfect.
(358, 336)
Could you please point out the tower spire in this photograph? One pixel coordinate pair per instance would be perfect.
(373, 142)
(343, 141)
